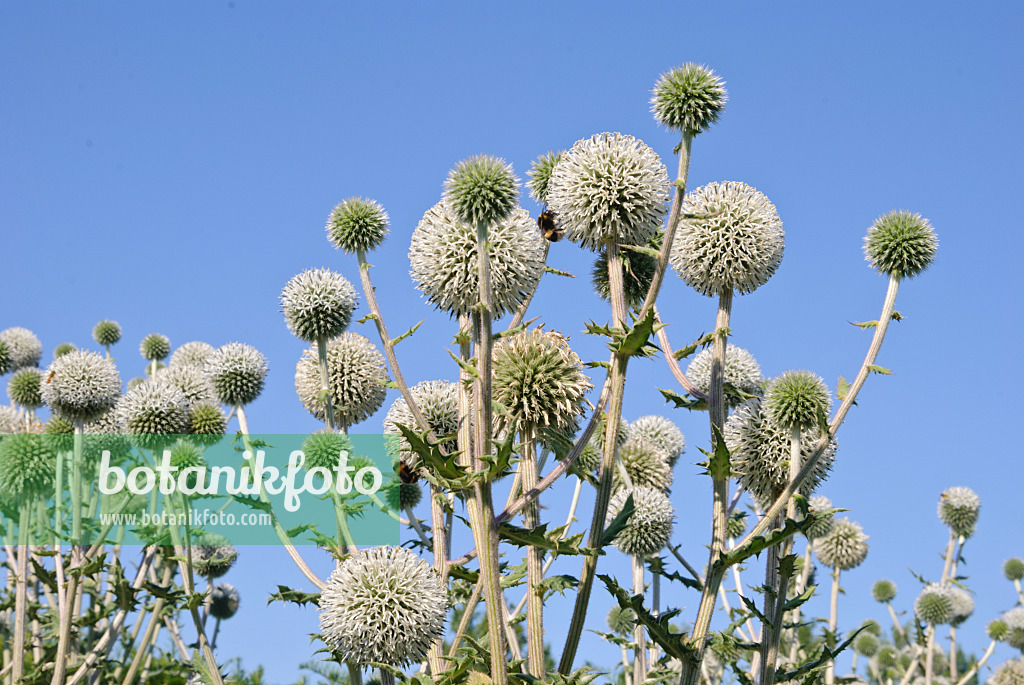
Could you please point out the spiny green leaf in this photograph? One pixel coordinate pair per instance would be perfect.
(618, 523)
(636, 341)
(718, 461)
(556, 272)
(658, 627)
(657, 566)
(874, 368)
(842, 388)
(542, 538)
(288, 595)
(703, 341)
(827, 655)
(465, 366)
(405, 335)
(682, 402)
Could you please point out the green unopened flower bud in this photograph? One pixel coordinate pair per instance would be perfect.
(621, 621)
(736, 525)
(357, 224)
(62, 349)
(212, 555)
(997, 629)
(25, 388)
(866, 644)
(27, 466)
(324, 447)
(155, 347)
(481, 190)
(106, 332)
(823, 526)
(886, 657)
(1013, 568)
(900, 244)
(398, 495)
(540, 175)
(688, 98)
(883, 591)
(223, 601)
(59, 434)
(797, 399)
(637, 273)
(934, 604)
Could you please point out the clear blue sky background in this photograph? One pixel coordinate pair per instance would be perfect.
(172, 165)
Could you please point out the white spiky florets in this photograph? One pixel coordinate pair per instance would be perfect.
(1010, 673)
(734, 242)
(439, 403)
(357, 378)
(609, 187)
(649, 528)
(12, 419)
(383, 605)
(23, 347)
(821, 527)
(646, 464)
(82, 386)
(190, 380)
(662, 433)
(237, 372)
(153, 407)
(845, 547)
(443, 256)
(194, 353)
(958, 508)
(740, 370)
(318, 304)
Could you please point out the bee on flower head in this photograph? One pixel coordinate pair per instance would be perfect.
(407, 474)
(548, 225)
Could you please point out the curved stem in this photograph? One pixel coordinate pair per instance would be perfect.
(673, 363)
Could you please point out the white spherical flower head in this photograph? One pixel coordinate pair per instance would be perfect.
(12, 419)
(660, 432)
(23, 347)
(383, 605)
(357, 378)
(1010, 673)
(357, 225)
(193, 353)
(760, 451)
(844, 548)
(822, 527)
(646, 464)
(318, 304)
(963, 605)
(237, 372)
(439, 403)
(958, 509)
(1014, 621)
(444, 263)
(81, 386)
(734, 242)
(935, 604)
(154, 407)
(481, 190)
(191, 381)
(649, 528)
(741, 371)
(609, 188)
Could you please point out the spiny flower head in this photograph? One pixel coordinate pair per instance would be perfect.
(357, 225)
(963, 605)
(662, 433)
(740, 370)
(12, 419)
(62, 349)
(688, 98)
(645, 463)
(323, 448)
(439, 403)
(207, 420)
(844, 548)
(81, 386)
(23, 347)
(59, 433)
(223, 601)
(237, 372)
(318, 304)
(194, 353)
(883, 591)
(649, 528)
(610, 187)
(212, 555)
(997, 629)
(621, 621)
(590, 458)
(797, 399)
(106, 332)
(190, 380)
(6, 361)
(357, 377)
(934, 604)
(958, 509)
(736, 525)
(155, 347)
(540, 175)
(539, 380)
(1014, 620)
(481, 190)
(24, 388)
(900, 244)
(399, 495)
(28, 464)
(444, 260)
(821, 527)
(383, 604)
(153, 408)
(733, 242)
(1009, 673)
(760, 450)
(866, 644)
(1013, 568)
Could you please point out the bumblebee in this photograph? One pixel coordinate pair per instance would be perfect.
(549, 226)
(407, 474)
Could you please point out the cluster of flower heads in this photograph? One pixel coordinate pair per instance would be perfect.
(942, 603)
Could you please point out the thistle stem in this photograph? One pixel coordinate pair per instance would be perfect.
(325, 383)
(534, 560)
(21, 595)
(639, 631)
(147, 638)
(833, 622)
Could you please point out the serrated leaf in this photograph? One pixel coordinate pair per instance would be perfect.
(616, 525)
(557, 272)
(290, 596)
(863, 325)
(718, 460)
(703, 341)
(542, 538)
(827, 655)
(682, 402)
(842, 388)
(874, 368)
(369, 317)
(657, 566)
(752, 608)
(592, 328)
(465, 366)
(658, 627)
(559, 584)
(405, 335)
(636, 341)
(762, 542)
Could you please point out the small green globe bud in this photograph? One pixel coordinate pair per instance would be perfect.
(886, 657)
(23, 347)
(59, 434)
(645, 463)
(662, 433)
(649, 528)
(212, 555)
(481, 190)
(934, 605)
(900, 244)
(25, 388)
(621, 621)
(357, 225)
(1009, 673)
(958, 509)
(400, 496)
(155, 347)
(318, 304)
(997, 630)
(866, 644)
(223, 601)
(844, 548)
(883, 591)
(797, 399)
(540, 175)
(323, 449)
(106, 332)
(823, 526)
(872, 626)
(736, 525)
(6, 361)
(81, 386)
(688, 99)
(27, 466)
(237, 372)
(62, 349)
(185, 454)
(637, 270)
(1013, 568)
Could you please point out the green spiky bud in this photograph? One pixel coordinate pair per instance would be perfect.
(958, 509)
(797, 399)
(106, 332)
(823, 526)
(621, 621)
(540, 175)
(25, 388)
(6, 361)
(736, 526)
(689, 98)
(900, 244)
(637, 273)
(883, 591)
(997, 630)
(212, 555)
(1013, 568)
(400, 495)
(866, 644)
(649, 528)
(645, 463)
(590, 458)
(934, 605)
(357, 225)
(323, 448)
(886, 657)
(318, 304)
(59, 434)
(27, 466)
(62, 349)
(155, 347)
(481, 190)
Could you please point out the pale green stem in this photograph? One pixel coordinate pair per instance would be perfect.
(355, 674)
(896, 622)
(978, 664)
(325, 383)
(147, 639)
(805, 576)
(534, 560)
(1020, 591)
(21, 595)
(386, 677)
(639, 631)
(517, 319)
(467, 616)
(833, 622)
(929, 657)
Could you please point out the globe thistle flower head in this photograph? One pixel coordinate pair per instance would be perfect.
(62, 349)
(997, 629)
(1009, 673)
(318, 304)
(540, 175)
(194, 353)
(24, 388)
(821, 527)
(81, 386)
(740, 370)
(539, 380)
(662, 433)
(797, 399)
(106, 434)
(886, 657)
(439, 403)
(1014, 620)
(934, 604)
(736, 525)
(844, 548)
(186, 454)
(637, 270)
(866, 644)
(59, 434)
(23, 347)
(610, 187)
(135, 382)
(900, 244)
(963, 605)
(1013, 568)
(237, 372)
(688, 99)
(645, 463)
(12, 419)
(733, 242)
(223, 601)
(357, 225)
(399, 495)
(883, 591)
(152, 412)
(590, 457)
(481, 190)
(444, 260)
(958, 509)
(383, 605)
(190, 380)
(155, 347)
(323, 448)
(357, 377)
(106, 332)
(212, 555)
(6, 361)
(28, 464)
(649, 528)
(760, 450)
(621, 621)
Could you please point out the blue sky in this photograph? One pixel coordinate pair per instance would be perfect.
(172, 165)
